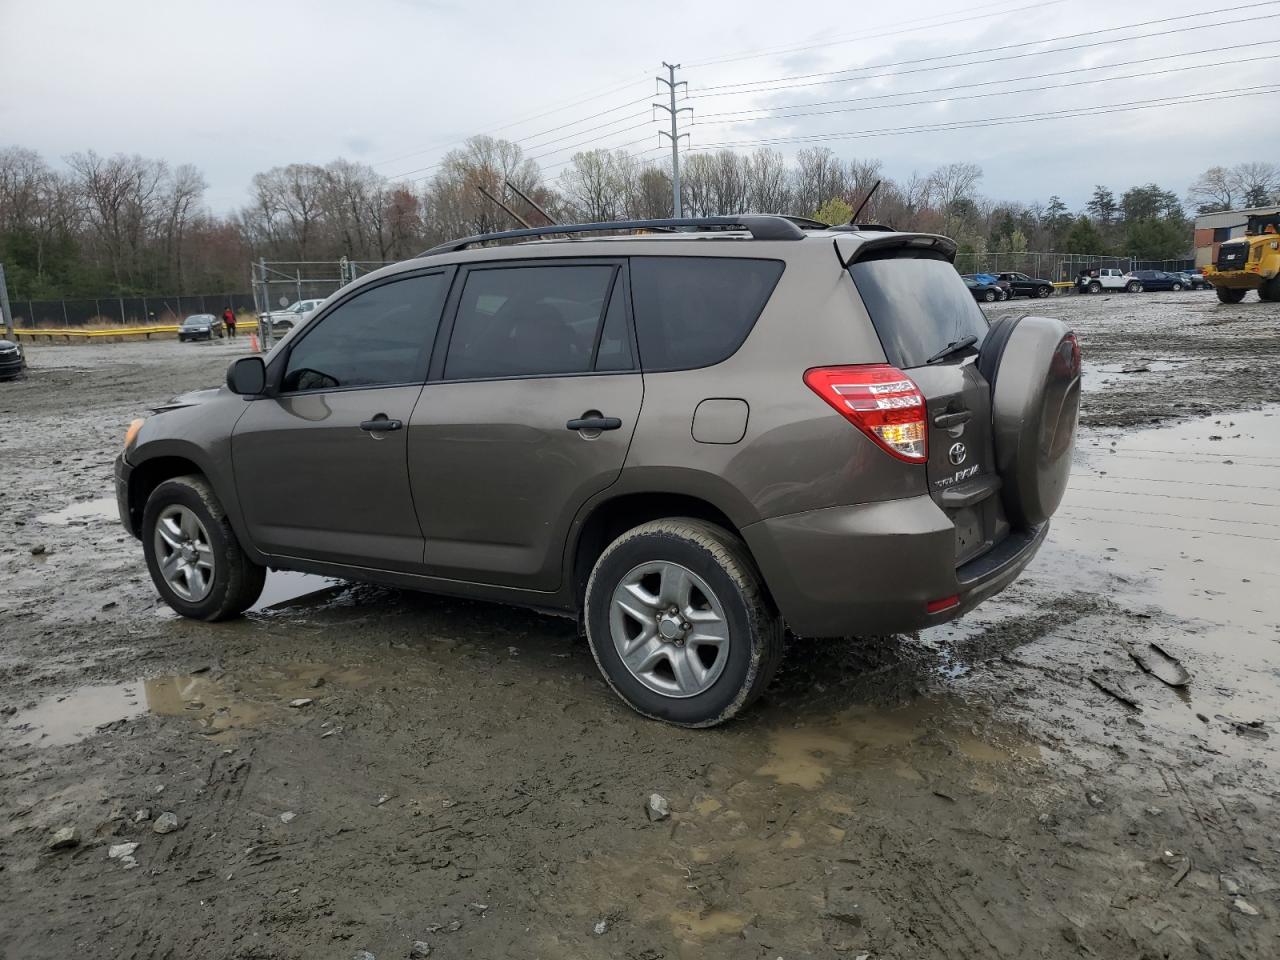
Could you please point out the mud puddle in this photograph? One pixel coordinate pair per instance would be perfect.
(217, 704)
(288, 588)
(82, 512)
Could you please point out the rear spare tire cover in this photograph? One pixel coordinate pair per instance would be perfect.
(1033, 367)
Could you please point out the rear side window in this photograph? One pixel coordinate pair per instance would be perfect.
(695, 311)
(531, 321)
(917, 303)
(379, 336)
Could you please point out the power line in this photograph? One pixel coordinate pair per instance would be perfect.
(709, 91)
(513, 123)
(995, 93)
(987, 83)
(1086, 111)
(925, 23)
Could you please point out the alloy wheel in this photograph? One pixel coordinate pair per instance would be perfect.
(183, 553)
(669, 628)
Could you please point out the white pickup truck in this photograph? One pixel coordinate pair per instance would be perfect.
(1106, 278)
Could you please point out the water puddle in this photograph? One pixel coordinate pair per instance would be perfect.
(217, 705)
(83, 512)
(807, 757)
(288, 588)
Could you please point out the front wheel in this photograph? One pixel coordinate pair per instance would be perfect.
(989, 296)
(1177, 288)
(1043, 292)
(195, 560)
(1095, 287)
(1230, 294)
(1134, 286)
(1270, 290)
(679, 622)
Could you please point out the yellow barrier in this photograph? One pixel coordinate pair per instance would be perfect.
(102, 332)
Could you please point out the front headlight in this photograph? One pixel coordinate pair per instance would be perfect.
(131, 434)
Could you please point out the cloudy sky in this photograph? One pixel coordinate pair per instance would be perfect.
(239, 87)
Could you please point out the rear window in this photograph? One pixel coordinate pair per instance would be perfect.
(696, 311)
(918, 305)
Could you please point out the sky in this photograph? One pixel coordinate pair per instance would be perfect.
(239, 87)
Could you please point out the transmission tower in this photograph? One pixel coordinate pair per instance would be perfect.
(675, 134)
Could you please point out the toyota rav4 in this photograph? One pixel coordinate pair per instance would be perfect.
(690, 439)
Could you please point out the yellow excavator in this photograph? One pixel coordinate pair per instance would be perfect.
(1251, 262)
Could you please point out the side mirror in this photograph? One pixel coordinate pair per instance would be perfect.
(247, 376)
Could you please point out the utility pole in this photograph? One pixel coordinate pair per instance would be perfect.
(675, 134)
(6, 316)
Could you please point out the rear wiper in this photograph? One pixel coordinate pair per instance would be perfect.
(964, 343)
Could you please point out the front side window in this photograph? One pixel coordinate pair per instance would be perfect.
(526, 321)
(380, 336)
(696, 311)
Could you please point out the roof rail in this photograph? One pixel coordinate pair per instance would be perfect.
(760, 226)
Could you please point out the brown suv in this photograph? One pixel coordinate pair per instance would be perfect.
(690, 439)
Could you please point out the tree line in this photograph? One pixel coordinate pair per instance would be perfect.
(129, 225)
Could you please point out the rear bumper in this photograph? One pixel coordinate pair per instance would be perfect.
(874, 568)
(1237, 279)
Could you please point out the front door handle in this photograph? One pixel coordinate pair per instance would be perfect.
(594, 423)
(380, 424)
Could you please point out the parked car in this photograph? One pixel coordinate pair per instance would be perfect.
(13, 363)
(1159, 280)
(289, 317)
(1192, 279)
(1097, 279)
(986, 292)
(1025, 286)
(632, 431)
(201, 326)
(1004, 286)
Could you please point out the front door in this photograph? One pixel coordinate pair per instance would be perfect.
(528, 414)
(321, 466)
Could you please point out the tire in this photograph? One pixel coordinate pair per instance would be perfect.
(1177, 288)
(1095, 287)
(1230, 294)
(1043, 292)
(1270, 290)
(725, 587)
(989, 296)
(1133, 286)
(192, 513)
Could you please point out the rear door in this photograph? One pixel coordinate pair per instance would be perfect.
(919, 305)
(533, 398)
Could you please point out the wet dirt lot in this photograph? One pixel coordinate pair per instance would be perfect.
(1010, 785)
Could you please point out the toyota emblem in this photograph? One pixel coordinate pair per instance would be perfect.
(957, 453)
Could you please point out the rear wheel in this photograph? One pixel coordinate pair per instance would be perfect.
(1230, 294)
(195, 560)
(679, 622)
(1134, 286)
(1270, 291)
(989, 296)
(1177, 288)
(1043, 291)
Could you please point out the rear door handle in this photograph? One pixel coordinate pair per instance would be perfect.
(380, 424)
(594, 423)
(952, 419)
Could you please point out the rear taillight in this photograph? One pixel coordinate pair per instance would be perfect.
(881, 401)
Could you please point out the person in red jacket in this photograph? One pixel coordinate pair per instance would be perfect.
(229, 318)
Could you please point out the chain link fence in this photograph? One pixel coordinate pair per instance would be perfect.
(278, 284)
(71, 314)
(1058, 267)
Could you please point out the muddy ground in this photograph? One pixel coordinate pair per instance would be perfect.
(462, 776)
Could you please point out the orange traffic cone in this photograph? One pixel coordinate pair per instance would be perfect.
(253, 341)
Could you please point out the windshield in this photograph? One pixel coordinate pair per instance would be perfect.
(918, 306)
(197, 320)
